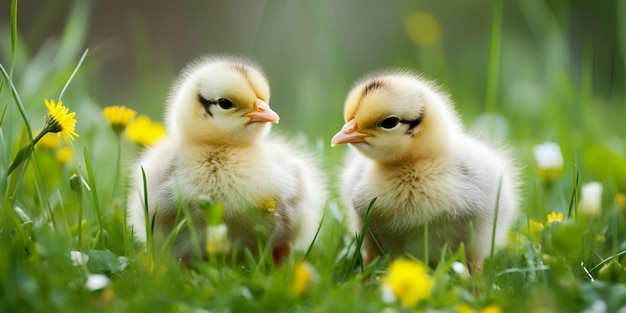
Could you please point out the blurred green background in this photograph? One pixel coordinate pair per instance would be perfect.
(523, 71)
(312, 51)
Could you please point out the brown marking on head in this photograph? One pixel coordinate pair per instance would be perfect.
(368, 87)
(372, 86)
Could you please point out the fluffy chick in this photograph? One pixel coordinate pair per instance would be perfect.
(423, 170)
(218, 120)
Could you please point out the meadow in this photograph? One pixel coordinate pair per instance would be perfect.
(537, 76)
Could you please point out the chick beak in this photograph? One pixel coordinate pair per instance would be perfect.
(262, 113)
(348, 134)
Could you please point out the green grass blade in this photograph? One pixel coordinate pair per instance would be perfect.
(193, 232)
(317, 232)
(4, 111)
(360, 237)
(18, 101)
(573, 202)
(94, 192)
(495, 219)
(168, 243)
(146, 212)
(69, 80)
(13, 33)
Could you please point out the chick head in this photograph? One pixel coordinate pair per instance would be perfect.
(220, 99)
(395, 116)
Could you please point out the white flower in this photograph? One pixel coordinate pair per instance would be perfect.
(78, 258)
(387, 294)
(96, 281)
(217, 239)
(549, 159)
(459, 268)
(591, 199)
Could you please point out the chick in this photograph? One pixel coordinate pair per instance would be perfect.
(424, 171)
(218, 120)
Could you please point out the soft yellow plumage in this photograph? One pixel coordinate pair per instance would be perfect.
(218, 120)
(414, 157)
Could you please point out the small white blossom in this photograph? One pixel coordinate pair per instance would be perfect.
(96, 281)
(217, 239)
(387, 294)
(459, 268)
(78, 258)
(591, 199)
(549, 159)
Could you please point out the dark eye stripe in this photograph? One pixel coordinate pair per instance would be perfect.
(413, 123)
(206, 104)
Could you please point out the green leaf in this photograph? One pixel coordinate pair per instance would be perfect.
(21, 156)
(605, 164)
(105, 261)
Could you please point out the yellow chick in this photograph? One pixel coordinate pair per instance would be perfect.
(424, 171)
(218, 120)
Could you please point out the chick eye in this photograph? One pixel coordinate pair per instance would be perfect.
(390, 122)
(225, 103)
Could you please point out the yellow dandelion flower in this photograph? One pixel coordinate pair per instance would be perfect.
(304, 277)
(144, 132)
(492, 308)
(423, 29)
(65, 154)
(60, 120)
(49, 141)
(408, 281)
(555, 217)
(464, 308)
(534, 229)
(118, 117)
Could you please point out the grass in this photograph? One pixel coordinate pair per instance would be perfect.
(50, 208)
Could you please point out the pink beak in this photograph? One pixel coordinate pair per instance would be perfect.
(348, 134)
(262, 113)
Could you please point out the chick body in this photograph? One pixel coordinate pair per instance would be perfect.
(414, 158)
(272, 193)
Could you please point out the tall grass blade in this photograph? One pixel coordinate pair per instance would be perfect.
(4, 111)
(573, 202)
(13, 33)
(94, 193)
(317, 232)
(146, 212)
(69, 80)
(360, 237)
(18, 102)
(495, 219)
